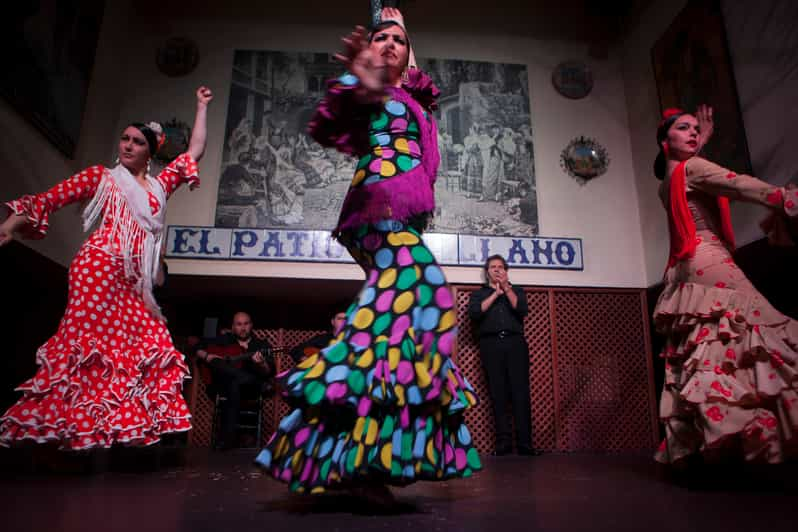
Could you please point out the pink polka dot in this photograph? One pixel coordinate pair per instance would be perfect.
(399, 125)
(361, 339)
(403, 256)
(444, 298)
(445, 343)
(460, 459)
(404, 372)
(363, 406)
(335, 391)
(399, 328)
(385, 300)
(375, 166)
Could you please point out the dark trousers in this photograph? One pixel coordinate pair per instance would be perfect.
(233, 383)
(506, 364)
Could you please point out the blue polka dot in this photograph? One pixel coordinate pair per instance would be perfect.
(415, 163)
(326, 447)
(433, 274)
(264, 458)
(348, 79)
(336, 373)
(371, 179)
(417, 317)
(383, 138)
(413, 395)
(291, 421)
(384, 258)
(418, 445)
(388, 225)
(367, 296)
(430, 318)
(463, 435)
(395, 108)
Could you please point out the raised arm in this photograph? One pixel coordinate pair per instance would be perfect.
(196, 146)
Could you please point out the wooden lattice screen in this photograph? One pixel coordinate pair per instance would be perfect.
(590, 372)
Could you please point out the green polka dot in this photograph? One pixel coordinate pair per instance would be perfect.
(381, 323)
(372, 454)
(412, 127)
(407, 446)
(408, 348)
(472, 457)
(406, 278)
(421, 254)
(356, 381)
(396, 469)
(314, 392)
(337, 353)
(387, 428)
(325, 468)
(380, 122)
(424, 295)
(429, 428)
(380, 349)
(467, 473)
(404, 163)
(294, 486)
(350, 460)
(427, 468)
(363, 162)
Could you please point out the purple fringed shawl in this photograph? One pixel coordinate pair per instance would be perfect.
(342, 123)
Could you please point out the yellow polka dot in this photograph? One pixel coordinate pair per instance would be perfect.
(359, 455)
(371, 433)
(359, 175)
(296, 461)
(393, 357)
(317, 490)
(378, 151)
(400, 395)
(436, 364)
(448, 320)
(308, 362)
(316, 371)
(387, 169)
(366, 359)
(422, 375)
(430, 452)
(388, 277)
(404, 238)
(403, 302)
(386, 454)
(360, 424)
(364, 318)
(401, 146)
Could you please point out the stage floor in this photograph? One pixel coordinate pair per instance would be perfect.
(555, 492)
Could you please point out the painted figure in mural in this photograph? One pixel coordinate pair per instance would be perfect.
(471, 182)
(731, 385)
(111, 373)
(383, 403)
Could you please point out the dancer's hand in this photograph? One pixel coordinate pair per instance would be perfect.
(257, 358)
(391, 13)
(12, 224)
(204, 95)
(361, 62)
(706, 124)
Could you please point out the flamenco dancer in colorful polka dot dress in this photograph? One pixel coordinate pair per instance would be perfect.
(110, 374)
(383, 403)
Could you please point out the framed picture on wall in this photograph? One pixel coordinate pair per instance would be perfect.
(47, 62)
(692, 65)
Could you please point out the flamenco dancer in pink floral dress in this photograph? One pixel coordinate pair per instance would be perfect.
(731, 386)
(110, 374)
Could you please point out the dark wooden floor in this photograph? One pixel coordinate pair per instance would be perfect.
(224, 492)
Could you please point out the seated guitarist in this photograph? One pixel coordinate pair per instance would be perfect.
(240, 365)
(320, 341)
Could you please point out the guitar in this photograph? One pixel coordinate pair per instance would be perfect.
(229, 354)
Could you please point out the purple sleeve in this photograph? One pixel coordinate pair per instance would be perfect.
(341, 122)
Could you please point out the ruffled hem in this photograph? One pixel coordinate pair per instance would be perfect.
(92, 397)
(394, 448)
(730, 374)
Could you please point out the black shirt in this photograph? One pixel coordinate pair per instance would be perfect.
(500, 316)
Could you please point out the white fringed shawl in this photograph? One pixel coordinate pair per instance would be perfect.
(126, 205)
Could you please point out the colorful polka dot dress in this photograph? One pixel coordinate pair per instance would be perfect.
(384, 401)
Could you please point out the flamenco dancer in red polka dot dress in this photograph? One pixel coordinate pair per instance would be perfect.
(110, 374)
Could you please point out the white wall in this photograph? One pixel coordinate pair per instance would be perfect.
(603, 213)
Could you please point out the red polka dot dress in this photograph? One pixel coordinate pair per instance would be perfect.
(111, 373)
